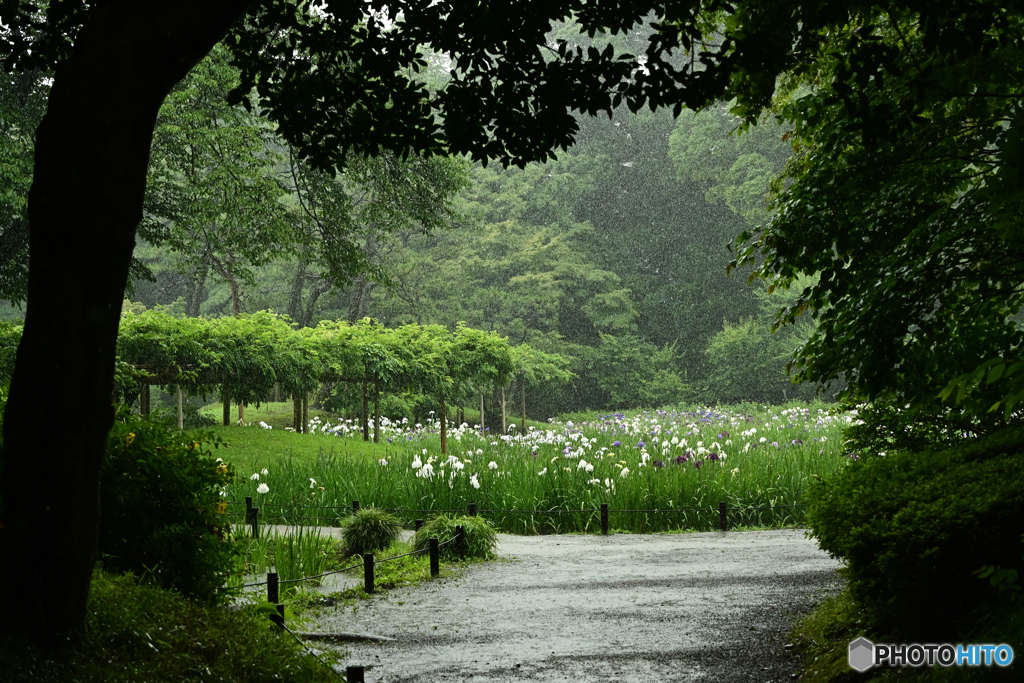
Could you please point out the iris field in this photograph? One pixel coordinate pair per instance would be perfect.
(656, 470)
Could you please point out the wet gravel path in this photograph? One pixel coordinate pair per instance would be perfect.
(628, 608)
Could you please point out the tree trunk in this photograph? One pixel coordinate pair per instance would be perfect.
(144, 400)
(504, 426)
(181, 415)
(295, 297)
(91, 157)
(481, 414)
(376, 413)
(195, 290)
(366, 412)
(226, 408)
(305, 413)
(523, 424)
(444, 427)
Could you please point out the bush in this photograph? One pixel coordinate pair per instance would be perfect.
(481, 538)
(137, 632)
(914, 527)
(161, 514)
(369, 531)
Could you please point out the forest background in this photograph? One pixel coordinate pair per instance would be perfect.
(612, 256)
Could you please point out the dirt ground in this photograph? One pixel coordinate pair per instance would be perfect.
(712, 607)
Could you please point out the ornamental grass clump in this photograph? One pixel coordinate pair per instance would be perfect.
(481, 539)
(369, 531)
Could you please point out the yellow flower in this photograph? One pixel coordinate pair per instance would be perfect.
(131, 437)
(194, 445)
(222, 507)
(222, 468)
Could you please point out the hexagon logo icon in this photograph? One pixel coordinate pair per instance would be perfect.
(861, 656)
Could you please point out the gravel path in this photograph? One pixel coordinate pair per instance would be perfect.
(628, 608)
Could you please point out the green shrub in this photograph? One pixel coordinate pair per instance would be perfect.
(369, 531)
(161, 514)
(915, 526)
(137, 632)
(481, 538)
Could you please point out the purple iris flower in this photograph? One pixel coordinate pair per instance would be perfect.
(640, 444)
(659, 464)
(712, 456)
(697, 464)
(616, 444)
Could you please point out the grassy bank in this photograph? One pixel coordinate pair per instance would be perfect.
(662, 463)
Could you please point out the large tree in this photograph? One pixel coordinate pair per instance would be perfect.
(335, 78)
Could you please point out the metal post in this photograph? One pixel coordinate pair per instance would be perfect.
(354, 674)
(272, 592)
(472, 509)
(255, 523)
(355, 507)
(435, 560)
(418, 524)
(604, 518)
(279, 617)
(368, 572)
(723, 520)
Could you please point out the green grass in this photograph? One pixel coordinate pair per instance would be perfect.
(536, 475)
(136, 632)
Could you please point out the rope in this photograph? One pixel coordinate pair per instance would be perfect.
(318, 576)
(415, 552)
(309, 650)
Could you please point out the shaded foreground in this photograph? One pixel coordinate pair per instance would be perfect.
(689, 607)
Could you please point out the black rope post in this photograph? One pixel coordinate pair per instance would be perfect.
(435, 558)
(368, 572)
(278, 618)
(255, 523)
(355, 507)
(723, 519)
(418, 524)
(472, 509)
(354, 674)
(604, 518)
(272, 588)
(248, 510)
(460, 540)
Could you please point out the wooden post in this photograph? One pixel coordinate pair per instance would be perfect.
(278, 617)
(226, 404)
(241, 413)
(504, 427)
(723, 519)
(272, 587)
(472, 509)
(435, 563)
(366, 411)
(522, 425)
(355, 674)
(368, 572)
(604, 518)
(144, 400)
(481, 414)
(181, 413)
(297, 413)
(376, 412)
(255, 523)
(355, 507)
(444, 427)
(418, 524)
(460, 542)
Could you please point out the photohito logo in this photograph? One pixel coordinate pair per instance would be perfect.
(863, 654)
